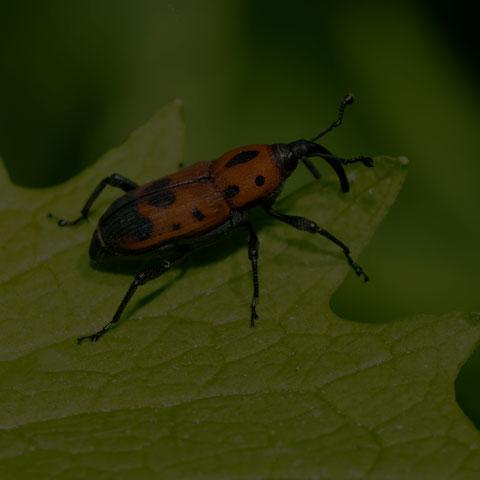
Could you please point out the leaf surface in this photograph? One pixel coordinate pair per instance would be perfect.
(183, 387)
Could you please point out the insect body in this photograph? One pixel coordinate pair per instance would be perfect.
(202, 203)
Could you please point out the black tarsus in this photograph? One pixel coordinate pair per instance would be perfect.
(253, 245)
(114, 180)
(141, 278)
(367, 161)
(337, 162)
(302, 223)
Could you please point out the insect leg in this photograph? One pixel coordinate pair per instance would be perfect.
(308, 225)
(141, 279)
(253, 256)
(311, 167)
(367, 161)
(113, 180)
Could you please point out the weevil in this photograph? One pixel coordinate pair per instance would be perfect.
(204, 202)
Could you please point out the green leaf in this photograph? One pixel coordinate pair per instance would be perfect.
(183, 387)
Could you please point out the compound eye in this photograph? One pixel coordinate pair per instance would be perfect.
(298, 148)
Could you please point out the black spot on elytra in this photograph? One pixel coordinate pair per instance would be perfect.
(143, 227)
(198, 214)
(176, 226)
(161, 199)
(123, 220)
(125, 223)
(231, 191)
(242, 157)
(260, 180)
(157, 194)
(156, 186)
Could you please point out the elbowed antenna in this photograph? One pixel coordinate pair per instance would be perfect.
(348, 100)
(316, 150)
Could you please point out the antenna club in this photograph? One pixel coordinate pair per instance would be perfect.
(349, 99)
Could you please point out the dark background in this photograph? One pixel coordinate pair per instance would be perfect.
(77, 77)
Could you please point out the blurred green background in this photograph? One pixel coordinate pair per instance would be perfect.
(77, 77)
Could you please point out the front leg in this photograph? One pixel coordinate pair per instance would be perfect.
(308, 225)
(114, 180)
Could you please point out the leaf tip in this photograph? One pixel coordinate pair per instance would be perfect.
(392, 164)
